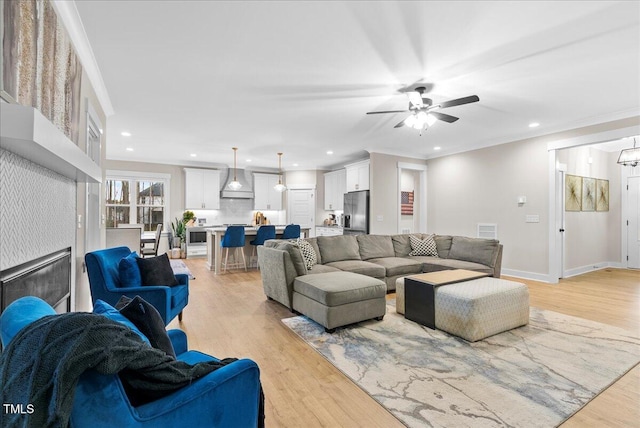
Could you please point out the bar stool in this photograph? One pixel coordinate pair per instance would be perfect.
(264, 232)
(234, 238)
(291, 231)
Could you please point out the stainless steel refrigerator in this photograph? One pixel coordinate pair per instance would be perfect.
(356, 213)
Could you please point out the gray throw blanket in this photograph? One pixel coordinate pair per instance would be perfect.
(43, 362)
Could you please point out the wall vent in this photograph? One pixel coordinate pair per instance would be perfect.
(406, 231)
(488, 230)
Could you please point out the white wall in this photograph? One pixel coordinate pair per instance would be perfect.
(592, 238)
(483, 186)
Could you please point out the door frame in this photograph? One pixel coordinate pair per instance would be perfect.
(422, 196)
(627, 173)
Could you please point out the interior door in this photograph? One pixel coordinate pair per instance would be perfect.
(633, 228)
(302, 208)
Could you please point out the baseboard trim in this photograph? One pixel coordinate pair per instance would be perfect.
(592, 268)
(542, 277)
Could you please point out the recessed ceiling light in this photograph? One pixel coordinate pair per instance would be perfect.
(437, 148)
(330, 152)
(295, 164)
(534, 124)
(125, 134)
(193, 155)
(248, 160)
(129, 149)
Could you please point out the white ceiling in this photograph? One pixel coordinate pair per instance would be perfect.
(298, 77)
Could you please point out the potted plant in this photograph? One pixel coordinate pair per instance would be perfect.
(188, 218)
(179, 232)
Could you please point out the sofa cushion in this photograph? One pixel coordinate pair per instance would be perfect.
(294, 253)
(401, 244)
(339, 288)
(306, 250)
(423, 247)
(314, 244)
(398, 265)
(434, 264)
(443, 245)
(148, 320)
(129, 272)
(359, 266)
(338, 248)
(157, 271)
(475, 250)
(375, 246)
(103, 308)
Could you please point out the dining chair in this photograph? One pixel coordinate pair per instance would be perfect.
(153, 251)
(234, 238)
(264, 233)
(291, 231)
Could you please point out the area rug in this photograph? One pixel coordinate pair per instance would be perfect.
(533, 376)
(178, 266)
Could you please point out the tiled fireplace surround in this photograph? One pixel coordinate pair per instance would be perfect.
(37, 212)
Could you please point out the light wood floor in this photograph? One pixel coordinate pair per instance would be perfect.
(229, 316)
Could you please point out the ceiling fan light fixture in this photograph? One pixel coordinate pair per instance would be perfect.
(630, 157)
(235, 184)
(280, 187)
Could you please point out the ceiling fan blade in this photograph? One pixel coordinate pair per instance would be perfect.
(388, 111)
(415, 98)
(400, 125)
(444, 117)
(460, 101)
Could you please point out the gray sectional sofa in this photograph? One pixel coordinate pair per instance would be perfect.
(385, 257)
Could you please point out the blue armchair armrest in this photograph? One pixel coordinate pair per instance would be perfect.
(178, 339)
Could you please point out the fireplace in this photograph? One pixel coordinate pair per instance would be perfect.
(47, 277)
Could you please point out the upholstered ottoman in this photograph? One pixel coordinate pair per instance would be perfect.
(478, 308)
(334, 299)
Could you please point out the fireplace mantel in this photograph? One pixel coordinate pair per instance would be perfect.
(27, 133)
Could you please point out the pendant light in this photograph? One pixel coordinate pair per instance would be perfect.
(630, 157)
(235, 184)
(280, 187)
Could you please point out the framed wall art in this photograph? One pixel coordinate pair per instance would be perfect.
(588, 194)
(572, 193)
(602, 195)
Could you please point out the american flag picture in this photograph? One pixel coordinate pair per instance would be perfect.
(406, 203)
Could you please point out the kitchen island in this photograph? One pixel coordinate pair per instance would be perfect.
(214, 237)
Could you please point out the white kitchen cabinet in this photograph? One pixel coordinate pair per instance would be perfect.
(202, 189)
(358, 176)
(335, 186)
(266, 197)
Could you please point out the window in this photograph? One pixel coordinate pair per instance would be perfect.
(137, 199)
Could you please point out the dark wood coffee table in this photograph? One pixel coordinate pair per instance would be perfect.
(419, 292)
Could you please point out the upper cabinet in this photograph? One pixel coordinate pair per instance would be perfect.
(266, 197)
(202, 189)
(358, 176)
(335, 186)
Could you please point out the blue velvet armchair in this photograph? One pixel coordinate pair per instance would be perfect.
(227, 397)
(106, 284)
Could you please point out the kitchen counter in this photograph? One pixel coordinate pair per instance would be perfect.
(329, 230)
(214, 238)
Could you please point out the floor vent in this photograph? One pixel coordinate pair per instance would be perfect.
(488, 230)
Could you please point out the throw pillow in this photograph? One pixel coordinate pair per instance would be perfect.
(148, 320)
(423, 247)
(308, 253)
(103, 308)
(156, 271)
(129, 272)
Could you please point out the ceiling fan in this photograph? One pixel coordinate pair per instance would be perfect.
(423, 111)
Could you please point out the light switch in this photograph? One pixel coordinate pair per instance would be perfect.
(532, 218)
(379, 218)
